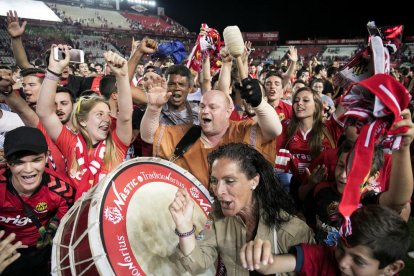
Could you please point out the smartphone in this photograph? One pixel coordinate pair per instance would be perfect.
(75, 55)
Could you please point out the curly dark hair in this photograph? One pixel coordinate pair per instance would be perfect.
(269, 195)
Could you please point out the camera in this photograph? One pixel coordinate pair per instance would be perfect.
(75, 55)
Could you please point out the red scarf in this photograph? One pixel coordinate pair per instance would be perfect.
(90, 168)
(206, 45)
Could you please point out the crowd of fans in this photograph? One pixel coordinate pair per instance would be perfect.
(274, 144)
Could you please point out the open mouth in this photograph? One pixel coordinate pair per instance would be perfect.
(225, 204)
(29, 179)
(206, 120)
(104, 128)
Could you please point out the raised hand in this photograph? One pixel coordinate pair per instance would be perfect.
(14, 28)
(6, 83)
(251, 91)
(225, 55)
(319, 174)
(157, 91)
(147, 46)
(247, 51)
(118, 65)
(407, 121)
(181, 210)
(57, 66)
(292, 53)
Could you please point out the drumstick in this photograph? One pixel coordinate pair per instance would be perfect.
(235, 45)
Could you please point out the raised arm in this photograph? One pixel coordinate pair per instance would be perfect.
(20, 106)
(293, 57)
(224, 81)
(267, 117)
(181, 210)
(45, 107)
(119, 68)
(157, 97)
(16, 30)
(205, 75)
(401, 178)
(145, 46)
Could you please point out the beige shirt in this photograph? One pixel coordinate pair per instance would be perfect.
(195, 159)
(227, 235)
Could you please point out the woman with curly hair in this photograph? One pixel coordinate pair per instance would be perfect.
(249, 203)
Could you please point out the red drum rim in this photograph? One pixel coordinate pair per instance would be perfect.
(109, 205)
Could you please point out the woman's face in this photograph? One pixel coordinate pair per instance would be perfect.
(230, 185)
(304, 104)
(98, 122)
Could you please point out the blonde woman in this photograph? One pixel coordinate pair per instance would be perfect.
(93, 147)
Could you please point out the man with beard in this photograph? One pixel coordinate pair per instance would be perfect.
(64, 102)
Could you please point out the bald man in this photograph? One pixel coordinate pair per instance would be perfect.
(216, 129)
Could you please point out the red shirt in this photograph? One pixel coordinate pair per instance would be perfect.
(57, 163)
(284, 110)
(67, 141)
(312, 259)
(299, 147)
(52, 198)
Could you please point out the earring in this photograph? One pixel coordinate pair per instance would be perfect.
(252, 188)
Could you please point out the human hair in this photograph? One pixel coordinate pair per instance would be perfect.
(377, 158)
(62, 89)
(318, 68)
(316, 81)
(182, 70)
(14, 158)
(107, 86)
(36, 72)
(80, 114)
(273, 74)
(269, 195)
(316, 133)
(300, 72)
(382, 230)
(89, 93)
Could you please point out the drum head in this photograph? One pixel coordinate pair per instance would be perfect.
(136, 230)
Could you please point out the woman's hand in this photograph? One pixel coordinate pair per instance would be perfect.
(57, 66)
(118, 65)
(181, 210)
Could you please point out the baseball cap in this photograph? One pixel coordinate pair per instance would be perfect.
(24, 138)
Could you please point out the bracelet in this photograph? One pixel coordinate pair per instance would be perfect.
(51, 76)
(186, 234)
(54, 73)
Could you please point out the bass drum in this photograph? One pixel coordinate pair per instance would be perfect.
(122, 226)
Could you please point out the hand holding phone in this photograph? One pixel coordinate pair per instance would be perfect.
(75, 55)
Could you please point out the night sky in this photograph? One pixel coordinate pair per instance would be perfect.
(293, 19)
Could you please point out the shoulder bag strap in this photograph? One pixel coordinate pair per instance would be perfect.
(186, 142)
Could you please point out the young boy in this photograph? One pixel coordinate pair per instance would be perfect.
(377, 245)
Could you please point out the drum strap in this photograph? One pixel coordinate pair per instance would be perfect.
(186, 142)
